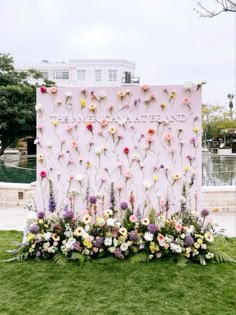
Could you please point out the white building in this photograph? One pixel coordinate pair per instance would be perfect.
(86, 72)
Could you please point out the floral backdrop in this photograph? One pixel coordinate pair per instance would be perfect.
(135, 144)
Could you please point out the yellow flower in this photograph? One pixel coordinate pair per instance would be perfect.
(40, 157)
(121, 94)
(31, 237)
(83, 103)
(87, 243)
(92, 107)
(153, 247)
(88, 164)
(155, 178)
(55, 122)
(200, 241)
(196, 245)
(196, 129)
(112, 130)
(40, 221)
(186, 168)
(163, 105)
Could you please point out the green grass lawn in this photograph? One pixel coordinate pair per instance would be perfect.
(45, 288)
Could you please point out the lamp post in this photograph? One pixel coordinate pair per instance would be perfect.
(231, 105)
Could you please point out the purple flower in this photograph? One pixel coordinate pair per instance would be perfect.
(124, 205)
(119, 254)
(68, 215)
(98, 242)
(193, 140)
(133, 236)
(34, 228)
(93, 199)
(188, 241)
(77, 246)
(38, 254)
(162, 166)
(152, 228)
(41, 214)
(204, 213)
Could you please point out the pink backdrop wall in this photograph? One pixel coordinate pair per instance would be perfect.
(145, 140)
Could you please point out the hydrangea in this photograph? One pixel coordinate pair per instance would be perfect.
(68, 215)
(188, 241)
(133, 236)
(119, 254)
(34, 228)
(124, 205)
(152, 228)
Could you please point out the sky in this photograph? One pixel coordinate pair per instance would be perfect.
(167, 39)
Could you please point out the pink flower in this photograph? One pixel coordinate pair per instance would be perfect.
(53, 90)
(178, 227)
(43, 89)
(149, 139)
(133, 218)
(74, 144)
(69, 128)
(168, 137)
(145, 221)
(89, 126)
(162, 202)
(145, 87)
(104, 122)
(43, 174)
(39, 126)
(161, 239)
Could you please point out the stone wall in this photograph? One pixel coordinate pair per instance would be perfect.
(215, 198)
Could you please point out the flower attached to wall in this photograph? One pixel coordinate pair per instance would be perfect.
(40, 157)
(190, 159)
(68, 96)
(88, 164)
(172, 95)
(163, 105)
(127, 175)
(168, 138)
(126, 152)
(176, 177)
(103, 122)
(186, 102)
(39, 127)
(92, 108)
(43, 174)
(89, 126)
(53, 90)
(186, 169)
(200, 84)
(43, 89)
(84, 92)
(121, 94)
(113, 131)
(74, 144)
(147, 184)
(37, 141)
(49, 144)
(193, 141)
(82, 103)
(188, 87)
(150, 99)
(196, 130)
(38, 107)
(69, 128)
(145, 87)
(110, 107)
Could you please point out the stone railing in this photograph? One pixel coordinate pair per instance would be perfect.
(215, 198)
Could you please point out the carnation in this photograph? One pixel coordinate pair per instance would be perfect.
(148, 236)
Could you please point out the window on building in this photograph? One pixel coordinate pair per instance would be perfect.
(44, 74)
(98, 75)
(62, 75)
(81, 75)
(112, 75)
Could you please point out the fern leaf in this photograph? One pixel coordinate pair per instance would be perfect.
(139, 258)
(182, 261)
(79, 257)
(217, 248)
(60, 259)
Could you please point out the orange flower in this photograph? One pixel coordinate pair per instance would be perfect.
(151, 131)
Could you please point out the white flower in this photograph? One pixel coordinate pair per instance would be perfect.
(145, 221)
(175, 248)
(147, 184)
(209, 255)
(38, 107)
(148, 236)
(110, 222)
(70, 243)
(49, 144)
(135, 157)
(47, 236)
(107, 213)
(118, 224)
(209, 237)
(108, 241)
(124, 247)
(102, 95)
(98, 151)
(79, 177)
(87, 227)
(68, 94)
(115, 242)
(182, 199)
(122, 121)
(112, 249)
(190, 230)
(151, 257)
(188, 86)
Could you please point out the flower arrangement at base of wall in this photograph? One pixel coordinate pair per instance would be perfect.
(120, 233)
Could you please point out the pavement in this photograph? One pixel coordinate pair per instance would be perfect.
(14, 218)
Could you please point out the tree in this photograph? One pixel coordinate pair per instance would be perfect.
(17, 103)
(221, 6)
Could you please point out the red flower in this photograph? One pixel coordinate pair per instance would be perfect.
(43, 89)
(126, 150)
(89, 127)
(43, 174)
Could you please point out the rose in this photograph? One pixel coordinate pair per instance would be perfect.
(43, 174)
(145, 87)
(126, 150)
(89, 126)
(43, 89)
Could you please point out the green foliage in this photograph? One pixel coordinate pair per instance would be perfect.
(141, 257)
(78, 257)
(41, 288)
(17, 103)
(219, 248)
(152, 215)
(60, 259)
